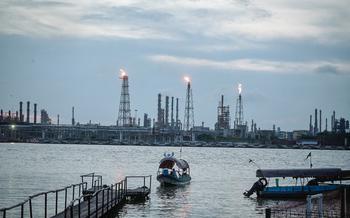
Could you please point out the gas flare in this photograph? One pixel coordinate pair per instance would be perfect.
(239, 88)
(122, 74)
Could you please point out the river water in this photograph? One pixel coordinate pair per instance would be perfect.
(219, 175)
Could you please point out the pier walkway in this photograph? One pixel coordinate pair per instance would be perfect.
(97, 201)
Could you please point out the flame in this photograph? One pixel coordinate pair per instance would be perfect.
(239, 88)
(122, 74)
(187, 79)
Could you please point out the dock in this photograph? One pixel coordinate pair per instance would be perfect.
(96, 201)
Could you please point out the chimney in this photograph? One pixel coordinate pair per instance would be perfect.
(222, 104)
(9, 116)
(172, 112)
(326, 124)
(320, 129)
(58, 119)
(35, 107)
(316, 123)
(177, 113)
(73, 119)
(28, 111)
(333, 124)
(310, 124)
(159, 117)
(21, 118)
(166, 110)
(16, 116)
(1, 115)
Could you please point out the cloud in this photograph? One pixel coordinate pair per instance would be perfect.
(257, 65)
(327, 69)
(322, 21)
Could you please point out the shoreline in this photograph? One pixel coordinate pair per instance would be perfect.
(195, 144)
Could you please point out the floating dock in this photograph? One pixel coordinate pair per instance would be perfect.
(97, 201)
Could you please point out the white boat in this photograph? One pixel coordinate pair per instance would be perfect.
(172, 171)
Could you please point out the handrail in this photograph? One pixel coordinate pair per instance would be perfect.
(138, 176)
(4, 209)
(117, 187)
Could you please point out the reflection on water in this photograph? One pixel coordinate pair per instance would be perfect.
(174, 200)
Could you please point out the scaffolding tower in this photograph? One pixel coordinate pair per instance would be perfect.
(189, 114)
(124, 115)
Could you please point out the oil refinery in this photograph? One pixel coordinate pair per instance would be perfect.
(167, 128)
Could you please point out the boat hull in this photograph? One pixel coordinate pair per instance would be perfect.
(289, 192)
(169, 180)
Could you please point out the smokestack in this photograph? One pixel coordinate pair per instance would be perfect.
(9, 116)
(310, 124)
(35, 107)
(16, 116)
(28, 111)
(73, 120)
(333, 124)
(222, 103)
(177, 112)
(58, 119)
(172, 112)
(320, 129)
(315, 126)
(1, 115)
(166, 110)
(21, 118)
(326, 124)
(159, 117)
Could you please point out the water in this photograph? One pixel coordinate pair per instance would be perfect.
(219, 175)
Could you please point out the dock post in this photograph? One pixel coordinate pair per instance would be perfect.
(107, 198)
(30, 208)
(21, 210)
(342, 202)
(4, 214)
(78, 209)
(56, 204)
(71, 211)
(89, 207)
(97, 204)
(126, 186)
(103, 199)
(150, 183)
(45, 205)
(65, 198)
(268, 213)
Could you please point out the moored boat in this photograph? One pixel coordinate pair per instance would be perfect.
(311, 181)
(173, 171)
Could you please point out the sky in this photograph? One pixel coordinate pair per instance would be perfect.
(290, 57)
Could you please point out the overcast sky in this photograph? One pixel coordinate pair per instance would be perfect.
(290, 56)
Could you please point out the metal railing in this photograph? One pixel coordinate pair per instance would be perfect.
(96, 180)
(104, 200)
(149, 177)
(81, 187)
(98, 203)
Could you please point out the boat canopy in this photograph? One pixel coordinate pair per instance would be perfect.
(169, 162)
(300, 173)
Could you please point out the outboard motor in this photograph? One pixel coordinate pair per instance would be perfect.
(257, 186)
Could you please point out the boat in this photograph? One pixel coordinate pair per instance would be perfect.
(173, 171)
(311, 181)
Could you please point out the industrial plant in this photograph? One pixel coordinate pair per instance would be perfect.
(167, 128)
